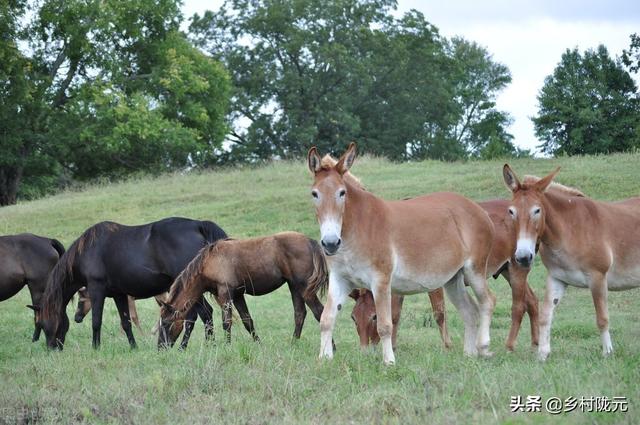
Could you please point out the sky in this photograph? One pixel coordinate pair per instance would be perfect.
(529, 37)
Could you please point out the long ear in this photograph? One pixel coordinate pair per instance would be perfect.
(355, 294)
(33, 307)
(313, 160)
(544, 182)
(346, 160)
(510, 178)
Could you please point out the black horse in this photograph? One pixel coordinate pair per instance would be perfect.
(114, 260)
(27, 259)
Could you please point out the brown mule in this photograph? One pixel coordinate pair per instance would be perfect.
(417, 245)
(583, 243)
(230, 268)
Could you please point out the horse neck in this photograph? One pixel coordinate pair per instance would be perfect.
(183, 300)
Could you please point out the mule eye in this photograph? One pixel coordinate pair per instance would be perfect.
(353, 317)
(512, 212)
(375, 317)
(314, 194)
(536, 211)
(342, 193)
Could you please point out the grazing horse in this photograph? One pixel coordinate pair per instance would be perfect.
(410, 246)
(84, 306)
(230, 268)
(114, 260)
(27, 259)
(583, 243)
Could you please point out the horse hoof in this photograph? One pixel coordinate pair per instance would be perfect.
(542, 356)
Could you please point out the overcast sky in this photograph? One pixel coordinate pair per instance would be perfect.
(527, 36)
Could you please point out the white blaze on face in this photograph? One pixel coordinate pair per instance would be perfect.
(525, 247)
(330, 229)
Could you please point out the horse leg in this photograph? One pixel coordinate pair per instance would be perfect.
(532, 310)
(243, 311)
(437, 305)
(552, 296)
(122, 303)
(36, 297)
(133, 312)
(299, 310)
(599, 293)
(205, 311)
(468, 309)
(189, 323)
(517, 281)
(382, 298)
(487, 302)
(337, 294)
(96, 294)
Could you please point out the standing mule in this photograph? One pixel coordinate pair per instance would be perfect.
(410, 246)
(230, 268)
(583, 243)
(114, 260)
(27, 259)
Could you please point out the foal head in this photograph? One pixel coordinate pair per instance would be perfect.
(528, 211)
(171, 324)
(84, 305)
(329, 193)
(364, 317)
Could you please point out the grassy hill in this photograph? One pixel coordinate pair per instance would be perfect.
(277, 381)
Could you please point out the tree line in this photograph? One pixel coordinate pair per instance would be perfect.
(104, 88)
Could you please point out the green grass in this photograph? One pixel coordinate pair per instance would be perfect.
(278, 381)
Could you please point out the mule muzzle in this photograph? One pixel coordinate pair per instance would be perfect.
(524, 259)
(330, 246)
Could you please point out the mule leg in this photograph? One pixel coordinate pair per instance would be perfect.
(532, 310)
(96, 294)
(599, 292)
(437, 305)
(337, 294)
(299, 310)
(122, 303)
(552, 296)
(382, 298)
(487, 302)
(514, 275)
(396, 311)
(468, 309)
(243, 311)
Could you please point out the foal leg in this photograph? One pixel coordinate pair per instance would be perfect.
(532, 310)
(437, 305)
(122, 303)
(382, 297)
(599, 293)
(337, 294)
(299, 310)
(468, 309)
(205, 311)
(226, 303)
(243, 311)
(552, 296)
(96, 294)
(514, 276)
(133, 312)
(487, 302)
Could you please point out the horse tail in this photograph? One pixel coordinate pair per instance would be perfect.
(211, 231)
(57, 245)
(319, 279)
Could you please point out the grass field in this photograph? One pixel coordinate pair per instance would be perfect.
(278, 381)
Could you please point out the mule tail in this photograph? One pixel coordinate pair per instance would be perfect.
(211, 231)
(57, 245)
(319, 279)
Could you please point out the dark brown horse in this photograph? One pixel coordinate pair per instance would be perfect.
(27, 259)
(114, 260)
(230, 268)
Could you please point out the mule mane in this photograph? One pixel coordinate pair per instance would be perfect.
(62, 273)
(567, 190)
(329, 162)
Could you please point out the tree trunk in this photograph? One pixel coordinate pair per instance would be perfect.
(10, 178)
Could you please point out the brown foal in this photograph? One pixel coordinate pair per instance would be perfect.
(411, 246)
(583, 243)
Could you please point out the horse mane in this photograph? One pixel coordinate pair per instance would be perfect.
(328, 162)
(566, 190)
(62, 273)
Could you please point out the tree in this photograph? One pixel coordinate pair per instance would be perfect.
(588, 105)
(104, 88)
(631, 57)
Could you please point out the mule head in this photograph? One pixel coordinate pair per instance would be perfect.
(84, 305)
(170, 326)
(527, 209)
(364, 317)
(329, 194)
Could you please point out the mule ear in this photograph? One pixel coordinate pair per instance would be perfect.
(33, 307)
(313, 160)
(347, 159)
(544, 182)
(510, 178)
(355, 294)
